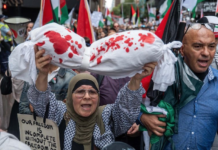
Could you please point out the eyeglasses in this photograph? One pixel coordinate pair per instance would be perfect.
(198, 26)
(81, 93)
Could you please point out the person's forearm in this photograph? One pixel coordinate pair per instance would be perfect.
(134, 84)
(42, 82)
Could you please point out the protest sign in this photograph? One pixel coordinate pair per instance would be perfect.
(38, 135)
(121, 21)
(96, 17)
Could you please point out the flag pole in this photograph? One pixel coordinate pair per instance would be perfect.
(40, 20)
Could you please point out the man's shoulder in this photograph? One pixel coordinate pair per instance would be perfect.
(70, 71)
(215, 71)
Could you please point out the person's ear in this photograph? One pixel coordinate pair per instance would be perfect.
(182, 50)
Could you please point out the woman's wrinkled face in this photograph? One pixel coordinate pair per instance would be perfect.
(85, 100)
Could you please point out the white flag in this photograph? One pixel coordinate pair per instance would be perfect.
(70, 16)
(37, 22)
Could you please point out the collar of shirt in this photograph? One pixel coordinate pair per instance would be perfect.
(53, 74)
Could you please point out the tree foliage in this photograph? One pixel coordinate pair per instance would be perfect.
(126, 9)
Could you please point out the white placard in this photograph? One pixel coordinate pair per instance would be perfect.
(121, 21)
(96, 17)
(38, 135)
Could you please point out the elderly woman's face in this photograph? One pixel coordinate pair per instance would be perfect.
(85, 100)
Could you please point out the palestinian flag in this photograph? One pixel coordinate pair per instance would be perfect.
(101, 22)
(56, 9)
(46, 14)
(84, 25)
(133, 15)
(138, 20)
(152, 14)
(164, 8)
(108, 17)
(167, 31)
(64, 11)
(194, 9)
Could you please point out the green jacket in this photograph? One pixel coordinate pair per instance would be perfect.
(185, 88)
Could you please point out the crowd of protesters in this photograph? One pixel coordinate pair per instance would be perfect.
(63, 90)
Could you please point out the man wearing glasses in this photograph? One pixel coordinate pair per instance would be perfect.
(198, 116)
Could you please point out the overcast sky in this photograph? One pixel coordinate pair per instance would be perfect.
(108, 4)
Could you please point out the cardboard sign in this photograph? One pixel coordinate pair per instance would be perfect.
(38, 135)
(96, 17)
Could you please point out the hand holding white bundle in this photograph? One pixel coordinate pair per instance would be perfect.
(120, 55)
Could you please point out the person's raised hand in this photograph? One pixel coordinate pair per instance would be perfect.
(152, 123)
(42, 62)
(147, 70)
(135, 81)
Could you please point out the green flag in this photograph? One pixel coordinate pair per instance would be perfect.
(193, 11)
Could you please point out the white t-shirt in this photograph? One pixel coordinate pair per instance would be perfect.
(53, 74)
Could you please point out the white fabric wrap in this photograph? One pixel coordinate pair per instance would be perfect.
(118, 56)
(164, 72)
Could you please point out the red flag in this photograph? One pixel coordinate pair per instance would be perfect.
(84, 25)
(166, 31)
(133, 15)
(47, 12)
(160, 30)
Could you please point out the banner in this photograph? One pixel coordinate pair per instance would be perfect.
(120, 22)
(38, 135)
(96, 17)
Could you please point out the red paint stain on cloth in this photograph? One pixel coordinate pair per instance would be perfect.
(146, 38)
(142, 45)
(60, 60)
(113, 42)
(74, 50)
(80, 46)
(127, 50)
(92, 57)
(40, 43)
(136, 48)
(70, 55)
(68, 37)
(128, 42)
(99, 60)
(68, 30)
(100, 50)
(60, 43)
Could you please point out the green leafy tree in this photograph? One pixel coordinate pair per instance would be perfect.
(126, 8)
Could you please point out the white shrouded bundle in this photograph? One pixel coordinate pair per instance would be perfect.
(120, 55)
